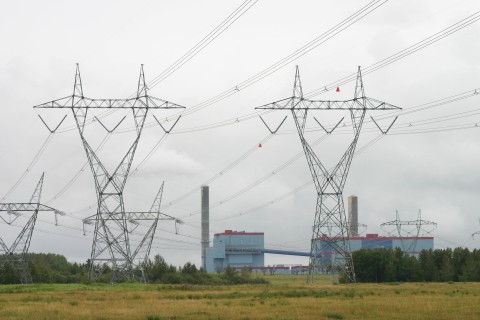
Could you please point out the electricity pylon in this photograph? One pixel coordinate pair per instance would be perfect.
(409, 229)
(111, 244)
(330, 248)
(16, 254)
(142, 252)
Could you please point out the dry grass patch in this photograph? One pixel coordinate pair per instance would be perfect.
(287, 297)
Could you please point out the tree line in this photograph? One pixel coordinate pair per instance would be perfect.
(439, 265)
(54, 268)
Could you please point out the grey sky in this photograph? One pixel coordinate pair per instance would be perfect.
(437, 172)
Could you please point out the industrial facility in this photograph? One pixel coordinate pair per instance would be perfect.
(243, 249)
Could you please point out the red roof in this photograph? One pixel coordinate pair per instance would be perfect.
(374, 236)
(239, 233)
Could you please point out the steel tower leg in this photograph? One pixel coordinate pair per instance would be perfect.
(143, 249)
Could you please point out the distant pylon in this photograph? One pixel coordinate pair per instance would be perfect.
(415, 226)
(330, 249)
(16, 254)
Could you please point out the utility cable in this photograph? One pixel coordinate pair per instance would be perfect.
(401, 54)
(79, 172)
(30, 166)
(222, 27)
(221, 172)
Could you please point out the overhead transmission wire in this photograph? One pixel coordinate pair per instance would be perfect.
(399, 128)
(196, 49)
(85, 238)
(216, 176)
(360, 150)
(373, 5)
(220, 173)
(436, 103)
(30, 166)
(79, 172)
(352, 77)
(338, 28)
(444, 35)
(224, 25)
(400, 113)
(131, 233)
(149, 154)
(403, 53)
(262, 179)
(284, 196)
(421, 107)
(58, 224)
(291, 192)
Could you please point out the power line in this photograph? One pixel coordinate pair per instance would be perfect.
(403, 53)
(30, 166)
(222, 27)
(338, 28)
(327, 35)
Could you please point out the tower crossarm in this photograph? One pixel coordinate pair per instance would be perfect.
(75, 101)
(18, 207)
(134, 216)
(408, 223)
(299, 103)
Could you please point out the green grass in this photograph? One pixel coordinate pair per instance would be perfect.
(285, 297)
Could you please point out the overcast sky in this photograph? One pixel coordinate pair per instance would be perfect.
(418, 165)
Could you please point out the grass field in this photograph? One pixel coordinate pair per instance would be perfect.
(286, 297)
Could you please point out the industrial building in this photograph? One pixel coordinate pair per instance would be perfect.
(233, 248)
(240, 249)
(410, 245)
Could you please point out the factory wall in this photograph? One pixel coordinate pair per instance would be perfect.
(221, 254)
(410, 245)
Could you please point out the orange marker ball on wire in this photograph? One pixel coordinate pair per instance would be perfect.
(338, 89)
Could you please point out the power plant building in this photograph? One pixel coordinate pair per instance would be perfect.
(237, 249)
(409, 245)
(240, 249)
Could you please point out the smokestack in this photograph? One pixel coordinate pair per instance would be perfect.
(353, 216)
(205, 223)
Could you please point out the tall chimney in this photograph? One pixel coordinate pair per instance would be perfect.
(205, 223)
(353, 216)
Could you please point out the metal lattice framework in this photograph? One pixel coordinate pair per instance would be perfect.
(408, 228)
(142, 252)
(111, 244)
(16, 254)
(329, 244)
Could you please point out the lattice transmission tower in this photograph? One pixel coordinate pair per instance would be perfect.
(16, 254)
(408, 229)
(113, 225)
(330, 249)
